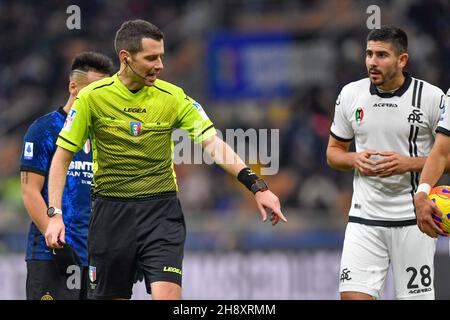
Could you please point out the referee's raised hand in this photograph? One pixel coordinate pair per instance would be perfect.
(55, 233)
(267, 200)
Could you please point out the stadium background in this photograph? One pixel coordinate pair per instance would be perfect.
(251, 64)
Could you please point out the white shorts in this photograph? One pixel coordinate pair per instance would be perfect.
(368, 251)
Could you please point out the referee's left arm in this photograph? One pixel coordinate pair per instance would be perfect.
(223, 155)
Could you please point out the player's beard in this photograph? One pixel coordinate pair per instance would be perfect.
(382, 77)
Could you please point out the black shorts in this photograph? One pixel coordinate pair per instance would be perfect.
(123, 232)
(44, 282)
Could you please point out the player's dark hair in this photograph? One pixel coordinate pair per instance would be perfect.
(129, 36)
(396, 36)
(92, 61)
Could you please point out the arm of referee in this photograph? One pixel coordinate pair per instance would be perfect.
(225, 157)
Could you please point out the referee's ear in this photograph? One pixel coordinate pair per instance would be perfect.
(124, 56)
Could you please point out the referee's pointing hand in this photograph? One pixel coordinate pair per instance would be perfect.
(267, 200)
(55, 233)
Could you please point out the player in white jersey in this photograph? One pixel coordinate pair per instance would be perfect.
(392, 117)
(432, 171)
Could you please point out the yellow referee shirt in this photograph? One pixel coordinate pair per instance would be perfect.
(131, 134)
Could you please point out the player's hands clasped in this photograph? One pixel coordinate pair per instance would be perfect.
(391, 163)
(384, 164)
(267, 200)
(55, 233)
(424, 210)
(364, 164)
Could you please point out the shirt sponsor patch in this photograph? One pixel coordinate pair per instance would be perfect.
(200, 110)
(28, 151)
(69, 120)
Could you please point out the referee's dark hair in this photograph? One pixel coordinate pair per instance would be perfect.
(129, 36)
(394, 35)
(92, 61)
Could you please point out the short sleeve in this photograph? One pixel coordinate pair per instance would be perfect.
(193, 118)
(76, 127)
(437, 106)
(341, 128)
(444, 121)
(38, 148)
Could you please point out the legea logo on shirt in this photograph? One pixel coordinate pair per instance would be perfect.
(69, 120)
(28, 151)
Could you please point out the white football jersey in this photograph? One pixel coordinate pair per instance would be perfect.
(404, 122)
(444, 124)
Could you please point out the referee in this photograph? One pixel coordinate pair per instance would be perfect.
(137, 217)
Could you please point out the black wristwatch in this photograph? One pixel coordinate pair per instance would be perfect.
(259, 185)
(52, 211)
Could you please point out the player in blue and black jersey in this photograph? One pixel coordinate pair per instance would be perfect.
(47, 272)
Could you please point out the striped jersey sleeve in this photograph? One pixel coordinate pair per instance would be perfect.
(341, 128)
(444, 121)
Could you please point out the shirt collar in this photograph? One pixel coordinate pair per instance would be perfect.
(125, 89)
(399, 92)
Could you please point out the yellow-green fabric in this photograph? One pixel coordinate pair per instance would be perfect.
(131, 134)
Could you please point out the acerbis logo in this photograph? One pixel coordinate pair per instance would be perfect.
(135, 110)
(385, 105)
(420, 290)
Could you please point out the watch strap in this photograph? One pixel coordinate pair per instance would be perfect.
(259, 185)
